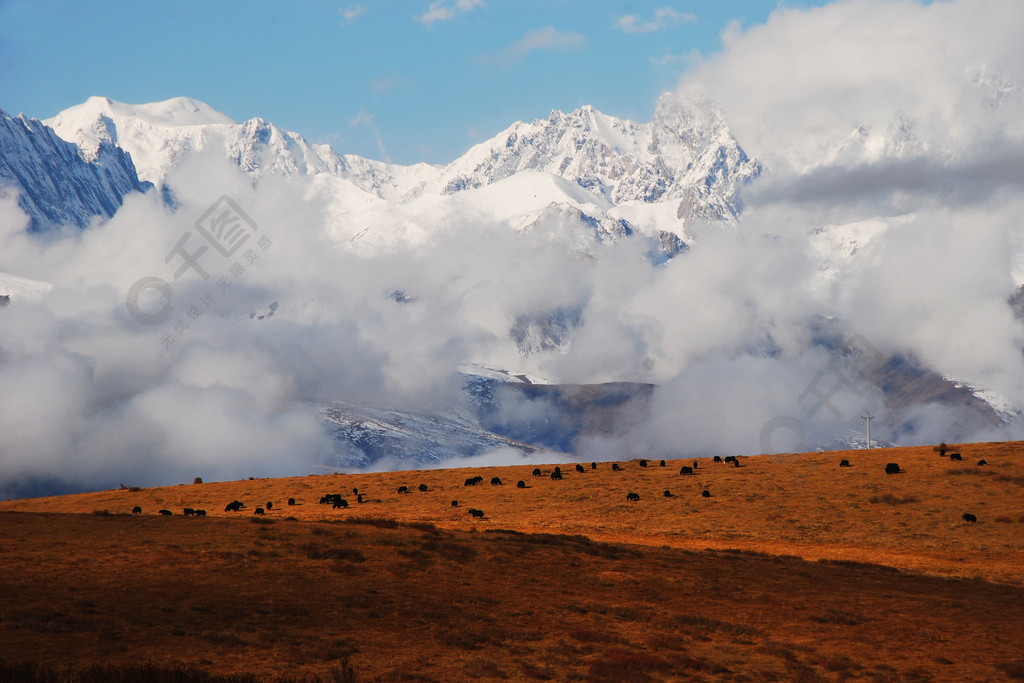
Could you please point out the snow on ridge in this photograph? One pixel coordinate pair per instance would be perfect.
(22, 288)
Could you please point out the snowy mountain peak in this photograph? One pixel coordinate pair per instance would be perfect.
(687, 154)
(56, 184)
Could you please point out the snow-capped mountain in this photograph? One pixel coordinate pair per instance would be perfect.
(161, 135)
(686, 157)
(57, 185)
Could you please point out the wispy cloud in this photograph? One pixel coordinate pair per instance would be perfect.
(351, 13)
(445, 11)
(664, 17)
(546, 38)
(389, 81)
(365, 118)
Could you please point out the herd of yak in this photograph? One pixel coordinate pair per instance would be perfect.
(337, 501)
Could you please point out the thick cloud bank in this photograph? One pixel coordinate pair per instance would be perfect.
(893, 134)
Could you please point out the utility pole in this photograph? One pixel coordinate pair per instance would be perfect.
(867, 421)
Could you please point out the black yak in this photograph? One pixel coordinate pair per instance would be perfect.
(968, 517)
(136, 510)
(520, 484)
(234, 506)
(892, 468)
(685, 469)
(632, 496)
(844, 463)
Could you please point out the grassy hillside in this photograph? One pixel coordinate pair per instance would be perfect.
(793, 569)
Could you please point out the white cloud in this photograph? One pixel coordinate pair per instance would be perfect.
(351, 13)
(444, 11)
(808, 84)
(664, 17)
(545, 39)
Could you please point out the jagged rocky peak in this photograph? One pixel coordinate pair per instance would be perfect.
(687, 152)
(56, 185)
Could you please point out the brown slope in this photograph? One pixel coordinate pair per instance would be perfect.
(803, 505)
(291, 598)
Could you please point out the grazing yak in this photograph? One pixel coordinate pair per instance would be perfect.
(234, 506)
(359, 498)
(643, 463)
(615, 467)
(718, 458)
(956, 456)
(291, 501)
(340, 502)
(473, 481)
(685, 469)
(473, 512)
(982, 462)
(968, 517)
(593, 465)
(403, 489)
(258, 511)
(270, 505)
(705, 493)
(892, 468)
(188, 512)
(844, 463)
(662, 463)
(536, 472)
(632, 496)
(200, 513)
(455, 503)
(166, 513)
(556, 474)
(423, 487)
(667, 494)
(496, 481)
(579, 468)
(136, 510)
(520, 484)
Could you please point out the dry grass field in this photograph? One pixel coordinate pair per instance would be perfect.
(792, 569)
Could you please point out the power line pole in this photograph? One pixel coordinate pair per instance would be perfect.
(867, 420)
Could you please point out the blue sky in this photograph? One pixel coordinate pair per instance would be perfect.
(406, 80)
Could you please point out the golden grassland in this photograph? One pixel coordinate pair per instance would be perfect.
(792, 569)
